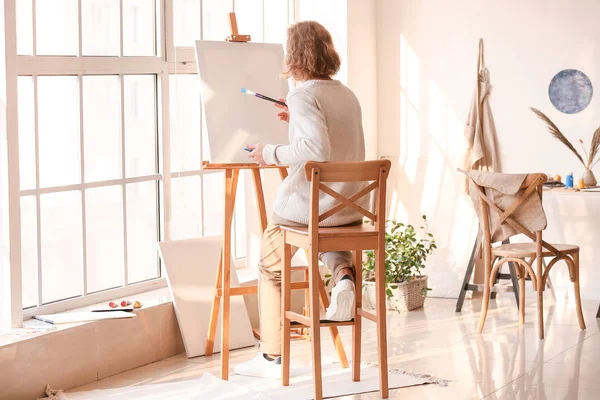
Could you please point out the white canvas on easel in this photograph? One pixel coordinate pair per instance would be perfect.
(234, 119)
(191, 267)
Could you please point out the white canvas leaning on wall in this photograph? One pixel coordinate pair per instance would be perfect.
(191, 267)
(234, 119)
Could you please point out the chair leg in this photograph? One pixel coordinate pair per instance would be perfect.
(522, 296)
(577, 292)
(306, 310)
(315, 328)
(486, 291)
(540, 298)
(381, 306)
(357, 327)
(286, 294)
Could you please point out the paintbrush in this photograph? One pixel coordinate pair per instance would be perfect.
(261, 96)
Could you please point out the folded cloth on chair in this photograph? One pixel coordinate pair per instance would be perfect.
(503, 190)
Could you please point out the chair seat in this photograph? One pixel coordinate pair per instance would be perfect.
(521, 250)
(337, 231)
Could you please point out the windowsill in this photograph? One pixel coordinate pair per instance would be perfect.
(33, 328)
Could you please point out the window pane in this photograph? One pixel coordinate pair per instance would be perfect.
(58, 119)
(62, 245)
(186, 217)
(26, 133)
(249, 15)
(138, 28)
(276, 21)
(215, 19)
(142, 231)
(140, 125)
(29, 249)
(102, 127)
(186, 22)
(24, 27)
(104, 238)
(100, 27)
(57, 28)
(185, 123)
(214, 198)
(205, 145)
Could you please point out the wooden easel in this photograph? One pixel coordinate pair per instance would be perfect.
(223, 289)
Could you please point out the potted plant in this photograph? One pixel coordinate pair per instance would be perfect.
(406, 251)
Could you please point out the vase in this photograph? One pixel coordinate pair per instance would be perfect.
(588, 178)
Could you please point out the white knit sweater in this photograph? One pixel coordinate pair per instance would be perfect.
(325, 125)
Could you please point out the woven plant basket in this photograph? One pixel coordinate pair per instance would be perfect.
(406, 297)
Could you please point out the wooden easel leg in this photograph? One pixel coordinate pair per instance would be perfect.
(214, 312)
(283, 172)
(515, 282)
(260, 199)
(333, 330)
(549, 285)
(468, 273)
(231, 178)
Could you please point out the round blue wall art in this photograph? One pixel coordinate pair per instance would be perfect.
(570, 91)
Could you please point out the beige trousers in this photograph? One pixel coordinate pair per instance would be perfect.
(269, 284)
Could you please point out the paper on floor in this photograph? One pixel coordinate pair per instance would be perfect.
(82, 316)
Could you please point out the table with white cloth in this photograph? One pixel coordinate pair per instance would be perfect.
(574, 218)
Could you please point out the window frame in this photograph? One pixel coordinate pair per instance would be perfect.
(168, 60)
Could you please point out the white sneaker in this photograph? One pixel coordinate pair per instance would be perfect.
(343, 298)
(260, 367)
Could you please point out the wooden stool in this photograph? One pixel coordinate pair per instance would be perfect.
(223, 292)
(355, 238)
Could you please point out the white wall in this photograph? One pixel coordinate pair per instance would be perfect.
(426, 72)
(352, 25)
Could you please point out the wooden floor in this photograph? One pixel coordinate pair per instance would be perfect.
(507, 361)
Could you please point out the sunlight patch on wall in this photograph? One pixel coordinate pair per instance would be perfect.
(392, 205)
(410, 130)
(464, 228)
(432, 193)
(409, 72)
(401, 213)
(437, 117)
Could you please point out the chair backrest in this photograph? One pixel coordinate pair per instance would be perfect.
(374, 172)
(505, 214)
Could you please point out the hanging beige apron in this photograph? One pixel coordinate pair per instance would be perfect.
(480, 131)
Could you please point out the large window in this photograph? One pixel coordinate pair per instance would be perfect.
(88, 146)
(111, 139)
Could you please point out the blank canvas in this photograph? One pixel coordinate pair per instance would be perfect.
(191, 267)
(234, 119)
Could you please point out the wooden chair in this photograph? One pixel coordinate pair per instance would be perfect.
(523, 255)
(355, 238)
